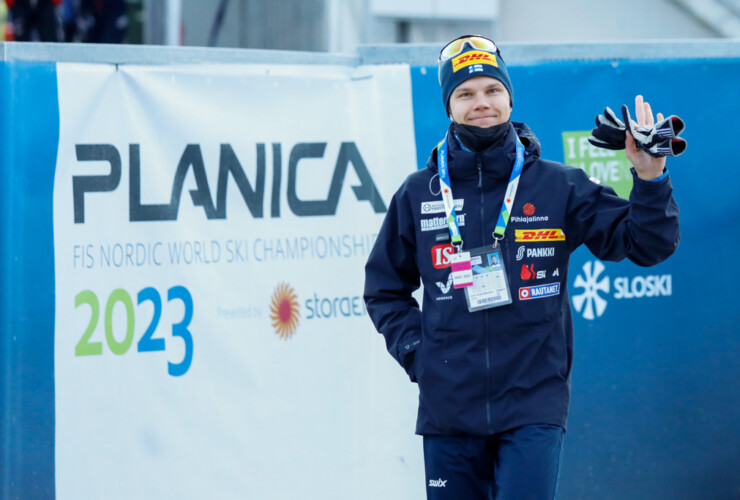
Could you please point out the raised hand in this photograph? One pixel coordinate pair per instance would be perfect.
(646, 166)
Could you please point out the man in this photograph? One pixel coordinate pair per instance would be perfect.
(102, 22)
(491, 350)
(35, 19)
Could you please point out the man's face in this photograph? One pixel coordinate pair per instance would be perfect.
(482, 101)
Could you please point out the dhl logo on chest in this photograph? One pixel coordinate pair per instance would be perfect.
(473, 57)
(533, 235)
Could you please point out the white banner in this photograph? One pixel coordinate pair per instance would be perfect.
(211, 224)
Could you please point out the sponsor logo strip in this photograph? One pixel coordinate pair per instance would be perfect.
(534, 253)
(473, 57)
(529, 273)
(527, 220)
(441, 255)
(534, 235)
(445, 287)
(539, 291)
(438, 207)
(436, 223)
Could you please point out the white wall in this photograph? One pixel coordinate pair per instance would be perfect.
(352, 22)
(592, 20)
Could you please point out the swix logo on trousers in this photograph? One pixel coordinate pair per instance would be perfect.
(441, 255)
(535, 235)
(437, 483)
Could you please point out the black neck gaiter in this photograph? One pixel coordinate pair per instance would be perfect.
(479, 139)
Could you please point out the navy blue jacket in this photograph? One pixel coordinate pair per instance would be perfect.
(489, 371)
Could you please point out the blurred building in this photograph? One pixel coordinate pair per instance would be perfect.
(341, 25)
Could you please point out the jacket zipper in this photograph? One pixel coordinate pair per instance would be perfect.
(485, 312)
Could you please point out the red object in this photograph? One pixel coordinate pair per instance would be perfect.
(9, 35)
(527, 272)
(528, 209)
(10, 3)
(441, 255)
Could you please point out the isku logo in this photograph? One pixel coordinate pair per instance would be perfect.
(441, 255)
(473, 57)
(532, 235)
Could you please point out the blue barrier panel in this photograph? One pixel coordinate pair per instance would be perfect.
(656, 408)
(29, 135)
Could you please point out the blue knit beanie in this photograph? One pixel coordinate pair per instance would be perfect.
(472, 62)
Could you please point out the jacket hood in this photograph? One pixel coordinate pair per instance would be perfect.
(495, 162)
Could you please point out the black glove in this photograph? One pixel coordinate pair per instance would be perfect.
(609, 131)
(674, 146)
(661, 139)
(669, 127)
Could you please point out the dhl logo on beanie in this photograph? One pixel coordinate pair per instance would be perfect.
(473, 57)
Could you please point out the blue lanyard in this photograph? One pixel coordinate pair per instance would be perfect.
(446, 190)
(449, 201)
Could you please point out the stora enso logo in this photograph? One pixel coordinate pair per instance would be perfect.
(591, 303)
(284, 311)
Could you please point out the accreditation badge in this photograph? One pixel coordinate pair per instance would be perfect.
(490, 286)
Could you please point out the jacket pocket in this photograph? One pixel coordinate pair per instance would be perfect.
(406, 356)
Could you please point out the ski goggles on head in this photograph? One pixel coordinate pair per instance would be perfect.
(456, 46)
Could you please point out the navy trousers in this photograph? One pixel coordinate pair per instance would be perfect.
(519, 464)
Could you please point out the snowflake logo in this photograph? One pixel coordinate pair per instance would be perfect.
(586, 302)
